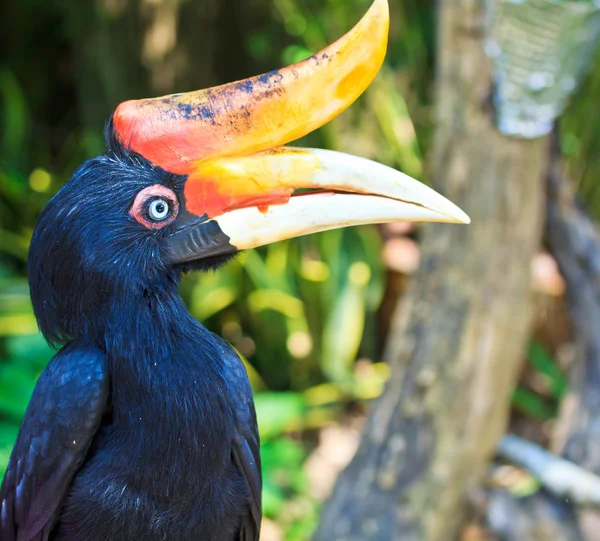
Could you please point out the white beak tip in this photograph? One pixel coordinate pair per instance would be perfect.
(461, 217)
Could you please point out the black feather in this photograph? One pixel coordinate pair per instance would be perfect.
(164, 406)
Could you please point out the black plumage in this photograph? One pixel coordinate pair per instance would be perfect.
(142, 427)
(159, 440)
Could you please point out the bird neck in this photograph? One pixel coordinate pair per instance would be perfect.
(167, 374)
(146, 323)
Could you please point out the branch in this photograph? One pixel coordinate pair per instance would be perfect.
(559, 476)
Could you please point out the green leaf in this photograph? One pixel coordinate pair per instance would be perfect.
(544, 364)
(283, 474)
(32, 349)
(532, 405)
(15, 117)
(278, 413)
(8, 434)
(17, 384)
(21, 324)
(277, 300)
(345, 325)
(13, 244)
(273, 498)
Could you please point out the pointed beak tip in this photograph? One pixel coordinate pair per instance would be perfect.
(462, 217)
(436, 202)
(452, 213)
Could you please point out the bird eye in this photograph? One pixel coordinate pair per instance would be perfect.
(159, 209)
(155, 207)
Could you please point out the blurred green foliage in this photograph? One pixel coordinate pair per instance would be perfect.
(299, 312)
(542, 403)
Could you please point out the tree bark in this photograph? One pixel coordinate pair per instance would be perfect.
(458, 336)
(574, 241)
(540, 517)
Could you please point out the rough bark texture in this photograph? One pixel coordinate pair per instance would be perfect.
(536, 518)
(458, 337)
(575, 243)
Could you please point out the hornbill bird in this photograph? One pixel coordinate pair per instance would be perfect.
(142, 427)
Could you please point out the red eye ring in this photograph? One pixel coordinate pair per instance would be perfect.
(139, 209)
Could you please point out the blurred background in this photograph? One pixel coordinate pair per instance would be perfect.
(311, 317)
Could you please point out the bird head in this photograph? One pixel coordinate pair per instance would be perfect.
(191, 179)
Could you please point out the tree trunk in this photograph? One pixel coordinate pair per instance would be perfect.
(539, 517)
(458, 337)
(574, 241)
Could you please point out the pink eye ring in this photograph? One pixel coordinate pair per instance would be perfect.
(155, 207)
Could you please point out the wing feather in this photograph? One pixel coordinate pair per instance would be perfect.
(246, 442)
(62, 417)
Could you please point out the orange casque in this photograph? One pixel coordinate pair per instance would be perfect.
(191, 133)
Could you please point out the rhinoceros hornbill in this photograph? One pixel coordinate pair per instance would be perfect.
(142, 427)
